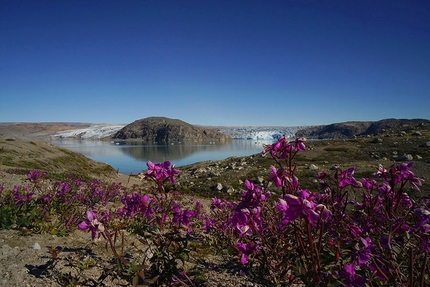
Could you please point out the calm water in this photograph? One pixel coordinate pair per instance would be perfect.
(131, 157)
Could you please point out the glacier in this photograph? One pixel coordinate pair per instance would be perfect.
(260, 132)
(100, 131)
(95, 131)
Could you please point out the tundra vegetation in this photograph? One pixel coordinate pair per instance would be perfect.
(335, 230)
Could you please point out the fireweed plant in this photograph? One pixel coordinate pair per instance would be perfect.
(325, 237)
(161, 220)
(164, 224)
(349, 232)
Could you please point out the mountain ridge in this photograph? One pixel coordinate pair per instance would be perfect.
(345, 130)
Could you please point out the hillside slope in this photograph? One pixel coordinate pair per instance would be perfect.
(347, 130)
(165, 130)
(19, 156)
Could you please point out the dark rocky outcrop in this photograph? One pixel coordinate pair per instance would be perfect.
(334, 131)
(350, 129)
(165, 130)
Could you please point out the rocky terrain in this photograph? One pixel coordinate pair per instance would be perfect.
(224, 178)
(351, 129)
(165, 130)
(37, 130)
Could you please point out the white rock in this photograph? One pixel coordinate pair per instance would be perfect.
(35, 246)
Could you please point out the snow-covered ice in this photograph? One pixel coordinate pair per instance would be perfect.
(98, 131)
(95, 131)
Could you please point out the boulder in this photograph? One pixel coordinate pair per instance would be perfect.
(405, 157)
(218, 187)
(312, 167)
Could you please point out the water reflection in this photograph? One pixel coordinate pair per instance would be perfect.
(131, 157)
(158, 153)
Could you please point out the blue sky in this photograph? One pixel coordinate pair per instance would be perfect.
(263, 63)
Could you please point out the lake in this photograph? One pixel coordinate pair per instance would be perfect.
(132, 157)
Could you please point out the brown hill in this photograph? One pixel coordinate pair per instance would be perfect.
(40, 131)
(350, 129)
(165, 130)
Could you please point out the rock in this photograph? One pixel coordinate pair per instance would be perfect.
(260, 179)
(377, 140)
(35, 271)
(418, 157)
(35, 246)
(405, 157)
(218, 187)
(312, 167)
(230, 190)
(199, 171)
(417, 133)
(215, 173)
(426, 144)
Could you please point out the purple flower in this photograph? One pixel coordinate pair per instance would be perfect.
(422, 214)
(21, 194)
(292, 207)
(253, 195)
(363, 255)
(35, 175)
(346, 178)
(157, 171)
(381, 173)
(245, 250)
(136, 204)
(208, 224)
(241, 220)
(181, 217)
(353, 229)
(368, 183)
(299, 144)
(405, 200)
(92, 223)
(275, 177)
(281, 149)
(403, 171)
(161, 171)
(321, 175)
(350, 278)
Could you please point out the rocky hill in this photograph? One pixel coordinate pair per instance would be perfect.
(165, 130)
(350, 129)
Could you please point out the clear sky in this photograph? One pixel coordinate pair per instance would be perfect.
(226, 62)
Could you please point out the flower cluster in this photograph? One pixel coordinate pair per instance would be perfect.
(92, 224)
(159, 172)
(292, 207)
(327, 237)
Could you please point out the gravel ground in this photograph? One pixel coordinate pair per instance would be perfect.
(27, 261)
